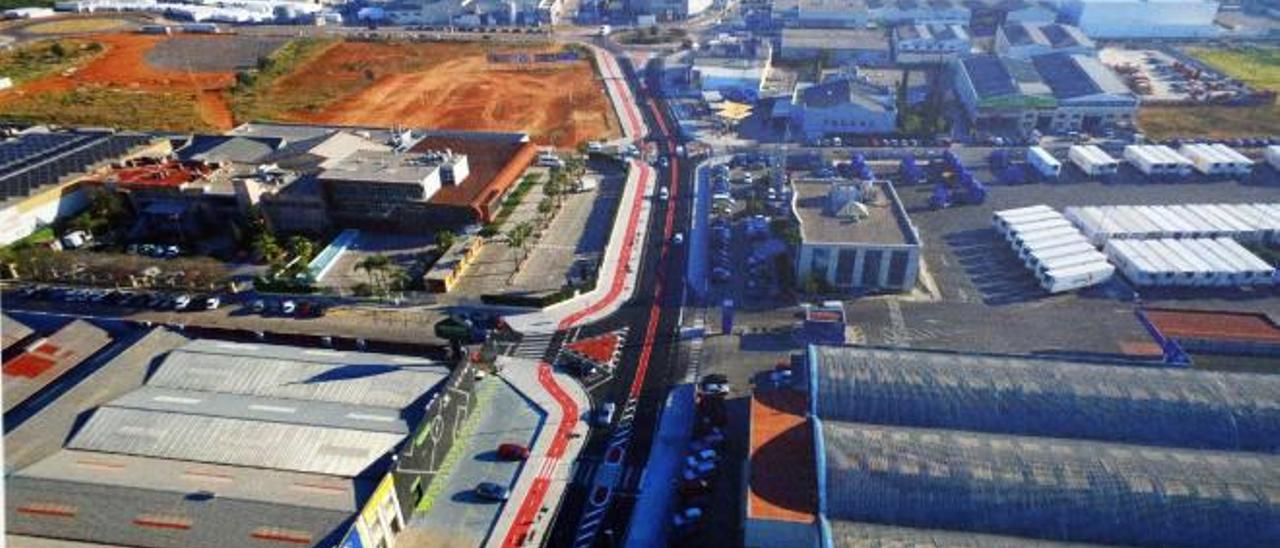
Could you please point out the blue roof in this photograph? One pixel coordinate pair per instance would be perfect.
(989, 75)
(1064, 76)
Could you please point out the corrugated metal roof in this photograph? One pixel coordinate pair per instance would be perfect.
(299, 448)
(302, 374)
(13, 330)
(141, 517)
(853, 533)
(1050, 488)
(46, 361)
(235, 406)
(1021, 395)
(228, 482)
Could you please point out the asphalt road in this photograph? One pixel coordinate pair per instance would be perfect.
(652, 317)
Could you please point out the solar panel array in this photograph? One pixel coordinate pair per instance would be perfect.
(1064, 76)
(1025, 396)
(32, 160)
(1051, 489)
(989, 75)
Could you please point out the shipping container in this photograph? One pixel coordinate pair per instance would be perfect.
(1092, 160)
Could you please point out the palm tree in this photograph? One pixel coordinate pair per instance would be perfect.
(518, 238)
(375, 267)
(302, 248)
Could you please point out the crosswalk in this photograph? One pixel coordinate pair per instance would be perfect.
(620, 438)
(533, 346)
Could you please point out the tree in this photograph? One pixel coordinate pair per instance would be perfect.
(58, 50)
(445, 240)
(302, 248)
(376, 267)
(546, 205)
(519, 239)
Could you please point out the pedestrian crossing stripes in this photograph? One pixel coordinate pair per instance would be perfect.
(533, 346)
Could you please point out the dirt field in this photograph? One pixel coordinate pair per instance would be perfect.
(449, 86)
(119, 87)
(1259, 67)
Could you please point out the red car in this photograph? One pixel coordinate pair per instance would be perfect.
(512, 451)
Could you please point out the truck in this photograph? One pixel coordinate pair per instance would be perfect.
(1046, 165)
(1093, 161)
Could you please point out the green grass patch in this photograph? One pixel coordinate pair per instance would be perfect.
(100, 106)
(252, 97)
(462, 441)
(45, 58)
(1257, 67)
(15, 4)
(510, 203)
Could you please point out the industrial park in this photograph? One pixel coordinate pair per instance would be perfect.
(588, 274)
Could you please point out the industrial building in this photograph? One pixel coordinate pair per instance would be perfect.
(840, 106)
(368, 188)
(1248, 223)
(1027, 40)
(13, 333)
(856, 236)
(963, 449)
(1056, 252)
(930, 43)
(228, 444)
(735, 68)
(861, 47)
(859, 13)
(1053, 93)
(1144, 18)
(1218, 262)
(42, 171)
(45, 360)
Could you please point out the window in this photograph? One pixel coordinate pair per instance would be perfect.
(278, 534)
(819, 262)
(162, 521)
(50, 509)
(845, 260)
(871, 268)
(898, 268)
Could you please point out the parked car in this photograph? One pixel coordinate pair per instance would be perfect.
(513, 451)
(212, 302)
(491, 491)
(678, 238)
(604, 415)
(288, 307)
(687, 517)
(181, 302)
(258, 306)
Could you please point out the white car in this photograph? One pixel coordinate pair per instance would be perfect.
(212, 303)
(181, 302)
(678, 238)
(663, 193)
(288, 307)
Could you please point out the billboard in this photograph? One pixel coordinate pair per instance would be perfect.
(373, 526)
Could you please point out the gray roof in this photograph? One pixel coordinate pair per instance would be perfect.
(235, 406)
(1071, 75)
(13, 330)
(882, 225)
(219, 440)
(852, 533)
(835, 39)
(379, 166)
(50, 359)
(240, 150)
(169, 519)
(1059, 398)
(374, 380)
(845, 91)
(225, 482)
(1049, 488)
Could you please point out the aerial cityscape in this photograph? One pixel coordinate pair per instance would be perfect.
(640, 273)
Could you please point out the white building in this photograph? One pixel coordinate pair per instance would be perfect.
(1026, 40)
(856, 236)
(1144, 18)
(736, 69)
(929, 43)
(843, 105)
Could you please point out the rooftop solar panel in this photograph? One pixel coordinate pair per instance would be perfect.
(1064, 76)
(990, 77)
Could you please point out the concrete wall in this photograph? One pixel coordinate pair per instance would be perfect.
(871, 268)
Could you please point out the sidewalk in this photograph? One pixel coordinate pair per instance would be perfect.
(535, 496)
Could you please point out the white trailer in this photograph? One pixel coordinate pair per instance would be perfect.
(1002, 219)
(1205, 159)
(1048, 166)
(1019, 231)
(1145, 160)
(1229, 270)
(1033, 257)
(1240, 229)
(1204, 270)
(1181, 166)
(1092, 160)
(1201, 227)
(1185, 272)
(1067, 261)
(1134, 262)
(1265, 222)
(1259, 271)
(1030, 245)
(1076, 277)
(1240, 164)
(1272, 156)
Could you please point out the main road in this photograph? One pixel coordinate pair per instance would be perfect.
(648, 367)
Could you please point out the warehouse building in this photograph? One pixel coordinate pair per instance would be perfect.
(930, 43)
(45, 360)
(1054, 93)
(1027, 40)
(14, 332)
(960, 449)
(229, 444)
(855, 236)
(736, 69)
(841, 106)
(860, 13)
(861, 47)
(1154, 18)
(42, 171)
